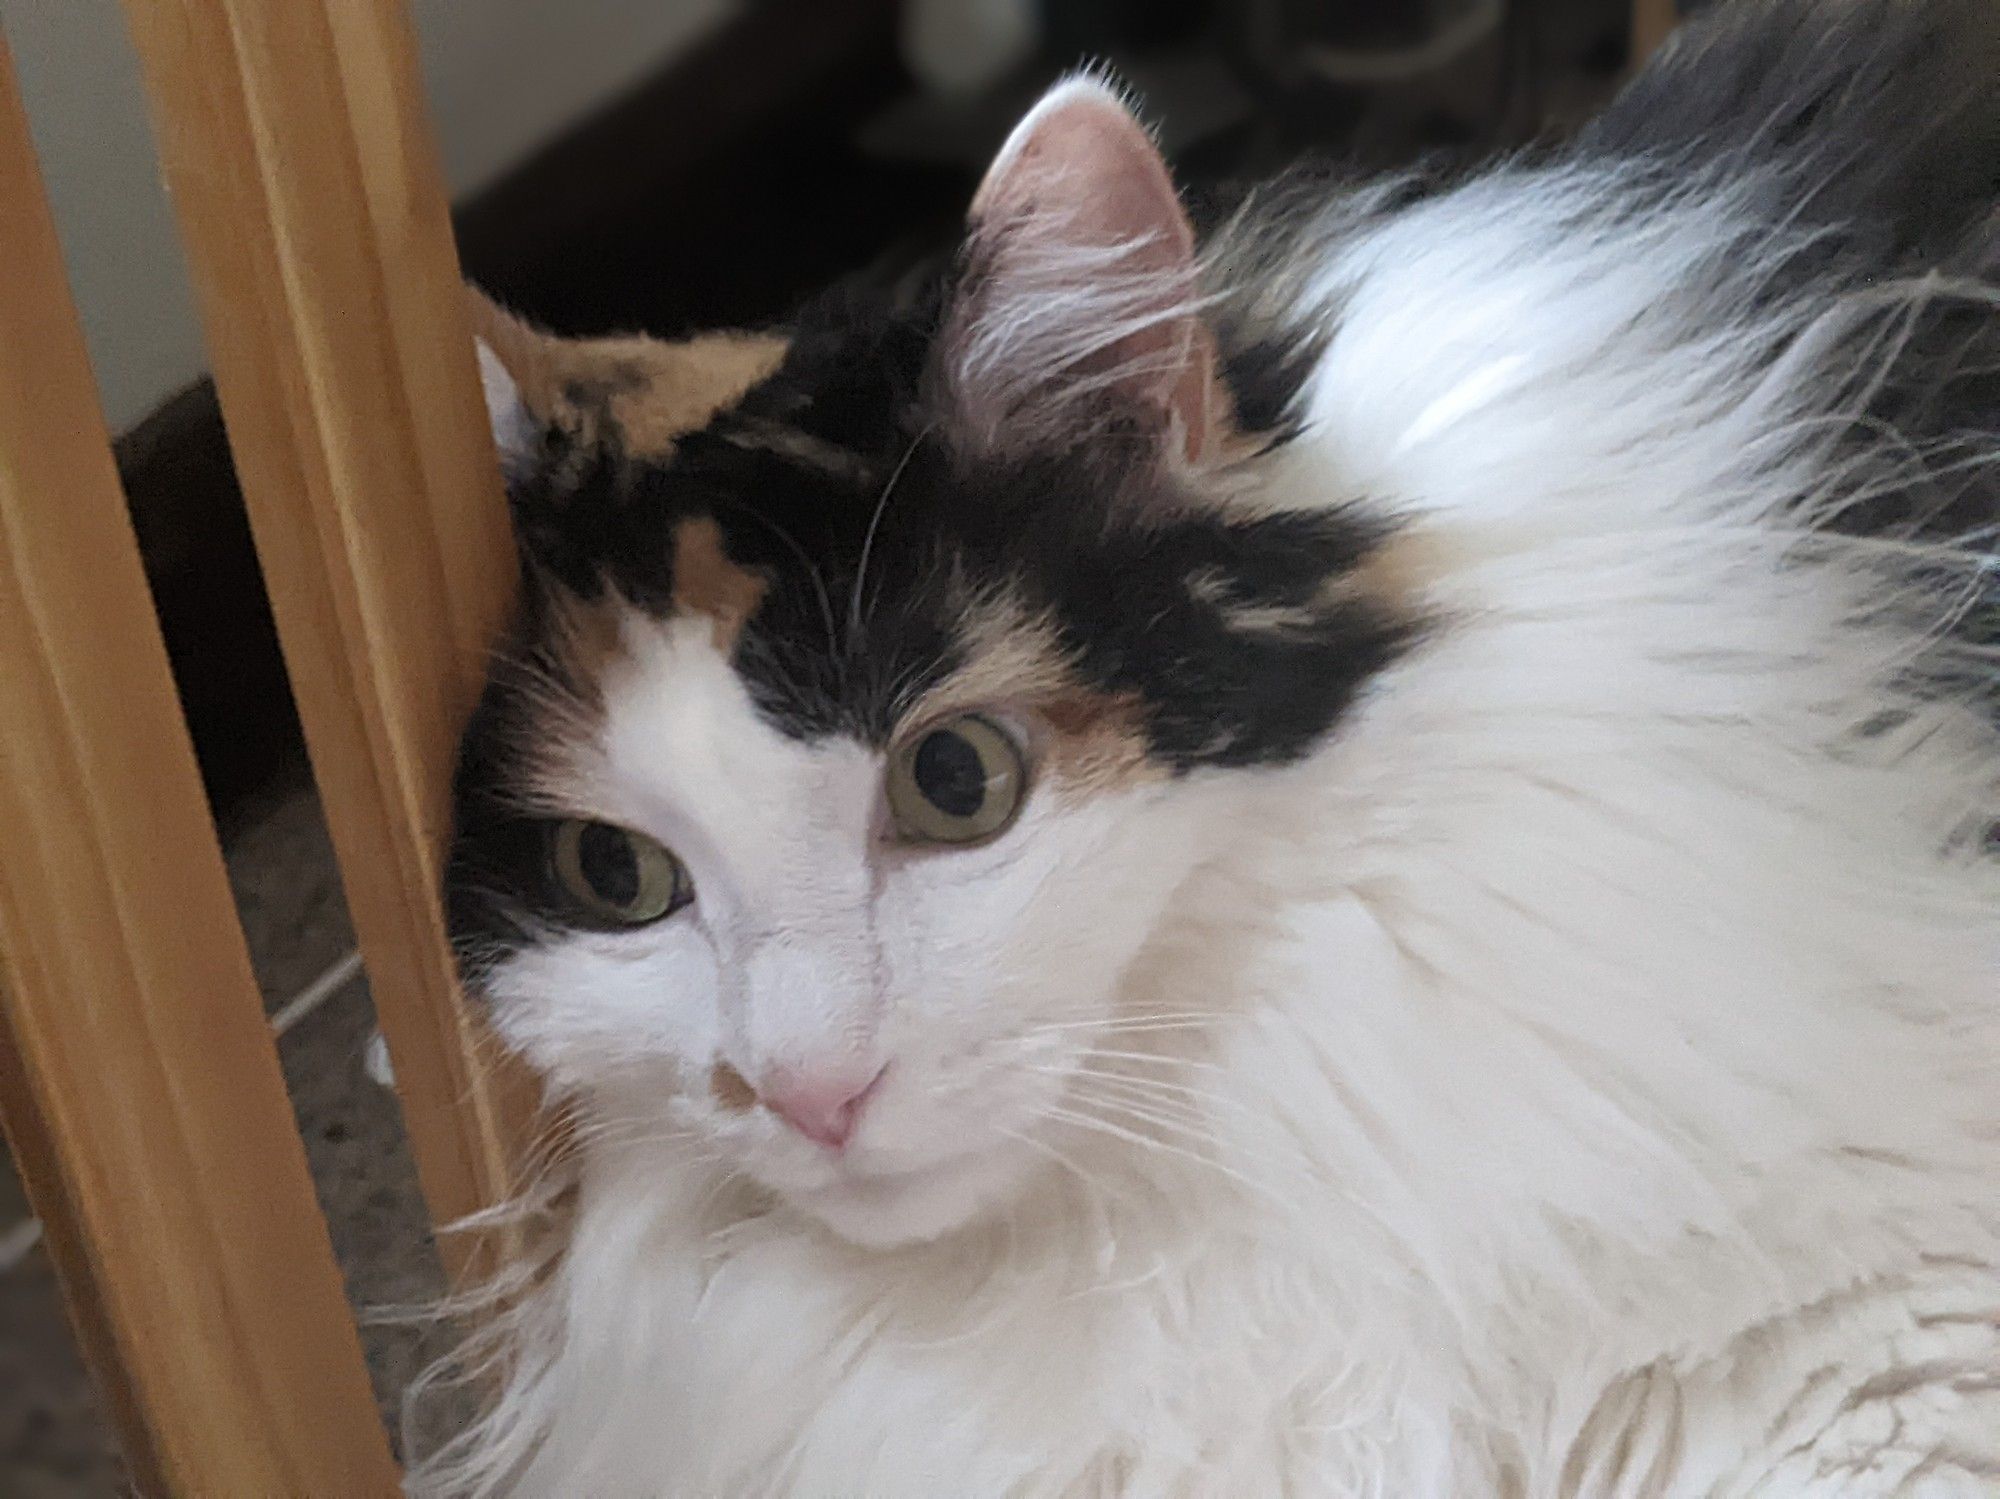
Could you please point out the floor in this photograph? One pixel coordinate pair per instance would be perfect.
(53, 1444)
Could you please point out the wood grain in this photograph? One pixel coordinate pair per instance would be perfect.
(138, 1079)
(295, 144)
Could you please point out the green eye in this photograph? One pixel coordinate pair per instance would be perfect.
(615, 876)
(960, 781)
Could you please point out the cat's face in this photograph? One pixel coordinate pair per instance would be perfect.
(877, 690)
(831, 944)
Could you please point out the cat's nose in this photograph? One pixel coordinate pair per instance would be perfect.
(824, 1106)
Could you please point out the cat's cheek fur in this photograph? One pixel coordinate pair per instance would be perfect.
(589, 1005)
(998, 982)
(995, 966)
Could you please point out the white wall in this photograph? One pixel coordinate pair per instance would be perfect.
(503, 76)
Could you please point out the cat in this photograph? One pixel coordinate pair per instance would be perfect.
(1346, 853)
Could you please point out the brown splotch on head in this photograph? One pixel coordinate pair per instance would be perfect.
(1092, 740)
(707, 582)
(620, 400)
(638, 392)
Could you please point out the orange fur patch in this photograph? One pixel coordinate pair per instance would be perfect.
(1401, 573)
(1096, 740)
(1099, 741)
(584, 637)
(682, 385)
(643, 392)
(581, 640)
(707, 582)
(730, 1089)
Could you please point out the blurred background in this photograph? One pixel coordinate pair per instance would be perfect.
(633, 164)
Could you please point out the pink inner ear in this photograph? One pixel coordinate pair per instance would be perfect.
(1079, 194)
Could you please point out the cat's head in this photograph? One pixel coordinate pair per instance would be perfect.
(880, 685)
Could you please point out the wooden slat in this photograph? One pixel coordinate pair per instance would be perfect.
(295, 144)
(138, 1079)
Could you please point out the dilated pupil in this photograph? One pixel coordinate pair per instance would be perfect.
(605, 857)
(950, 774)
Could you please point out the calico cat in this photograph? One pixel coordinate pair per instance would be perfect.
(1344, 855)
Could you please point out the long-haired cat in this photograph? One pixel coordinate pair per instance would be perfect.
(1344, 853)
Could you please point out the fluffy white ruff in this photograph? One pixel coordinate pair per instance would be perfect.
(1599, 1096)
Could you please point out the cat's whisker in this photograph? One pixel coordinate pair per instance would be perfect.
(1191, 1020)
(1120, 1287)
(1169, 1114)
(680, 1143)
(1082, 1068)
(812, 568)
(726, 1179)
(1154, 1087)
(1087, 1121)
(1005, 1267)
(854, 610)
(1094, 1187)
(1154, 1059)
(1086, 1088)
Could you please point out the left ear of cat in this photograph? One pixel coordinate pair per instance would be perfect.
(637, 392)
(1080, 284)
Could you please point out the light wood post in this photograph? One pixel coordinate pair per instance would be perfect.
(295, 144)
(138, 1078)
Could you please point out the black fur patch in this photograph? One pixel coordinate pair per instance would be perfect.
(870, 583)
(1874, 123)
(873, 585)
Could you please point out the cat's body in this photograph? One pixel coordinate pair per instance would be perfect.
(1493, 989)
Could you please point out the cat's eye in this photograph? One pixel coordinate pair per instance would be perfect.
(959, 781)
(614, 876)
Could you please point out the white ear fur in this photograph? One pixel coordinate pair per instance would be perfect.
(1081, 279)
(515, 430)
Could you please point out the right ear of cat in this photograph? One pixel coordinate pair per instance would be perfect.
(1080, 284)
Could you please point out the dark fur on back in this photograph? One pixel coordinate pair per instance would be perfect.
(1874, 124)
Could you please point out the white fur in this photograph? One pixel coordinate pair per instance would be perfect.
(1579, 1078)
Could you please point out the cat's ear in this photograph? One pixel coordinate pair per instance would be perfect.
(1079, 284)
(546, 395)
(517, 373)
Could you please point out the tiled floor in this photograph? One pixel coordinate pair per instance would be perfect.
(53, 1444)
(287, 890)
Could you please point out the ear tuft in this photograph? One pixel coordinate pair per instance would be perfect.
(1080, 283)
(1083, 128)
(514, 431)
(515, 374)
(628, 391)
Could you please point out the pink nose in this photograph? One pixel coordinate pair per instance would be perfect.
(824, 1107)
